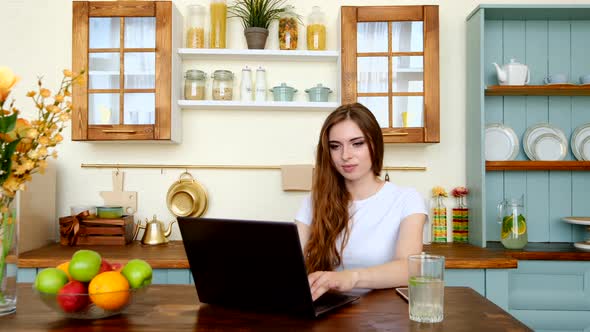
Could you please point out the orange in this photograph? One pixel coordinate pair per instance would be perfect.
(64, 267)
(109, 290)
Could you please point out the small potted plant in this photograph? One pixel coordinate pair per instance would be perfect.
(256, 16)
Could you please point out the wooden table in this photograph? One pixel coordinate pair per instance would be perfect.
(175, 308)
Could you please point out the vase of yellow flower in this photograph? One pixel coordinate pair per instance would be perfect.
(25, 147)
(439, 216)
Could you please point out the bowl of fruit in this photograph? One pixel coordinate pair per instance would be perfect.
(89, 287)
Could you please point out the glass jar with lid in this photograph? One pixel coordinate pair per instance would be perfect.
(316, 30)
(288, 29)
(194, 84)
(218, 12)
(223, 81)
(195, 33)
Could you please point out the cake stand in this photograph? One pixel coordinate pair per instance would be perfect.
(585, 221)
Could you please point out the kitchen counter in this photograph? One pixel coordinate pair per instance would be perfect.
(176, 308)
(173, 256)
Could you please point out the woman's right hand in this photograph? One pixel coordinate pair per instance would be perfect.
(322, 281)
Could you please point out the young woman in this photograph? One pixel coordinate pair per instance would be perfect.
(357, 230)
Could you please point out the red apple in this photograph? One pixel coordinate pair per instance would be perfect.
(73, 296)
(104, 267)
(116, 266)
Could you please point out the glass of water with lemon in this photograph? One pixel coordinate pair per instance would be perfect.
(426, 287)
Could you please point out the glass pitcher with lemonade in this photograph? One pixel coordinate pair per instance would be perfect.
(511, 216)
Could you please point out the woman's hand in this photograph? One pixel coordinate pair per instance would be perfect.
(322, 281)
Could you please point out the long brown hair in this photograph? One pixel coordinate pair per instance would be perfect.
(330, 198)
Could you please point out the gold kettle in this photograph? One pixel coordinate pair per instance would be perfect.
(154, 232)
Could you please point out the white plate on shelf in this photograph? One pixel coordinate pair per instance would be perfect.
(501, 142)
(584, 148)
(582, 245)
(533, 132)
(578, 137)
(577, 220)
(549, 147)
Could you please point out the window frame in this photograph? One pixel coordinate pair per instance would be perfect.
(350, 16)
(162, 11)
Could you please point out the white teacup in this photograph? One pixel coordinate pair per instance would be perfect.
(556, 79)
(585, 79)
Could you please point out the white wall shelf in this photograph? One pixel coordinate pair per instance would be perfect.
(256, 105)
(266, 55)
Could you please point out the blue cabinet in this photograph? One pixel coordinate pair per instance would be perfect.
(549, 39)
(551, 295)
(160, 276)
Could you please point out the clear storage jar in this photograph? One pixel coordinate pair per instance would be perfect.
(218, 9)
(316, 30)
(288, 29)
(223, 81)
(194, 85)
(195, 32)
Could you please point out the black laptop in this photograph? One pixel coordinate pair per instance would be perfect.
(252, 265)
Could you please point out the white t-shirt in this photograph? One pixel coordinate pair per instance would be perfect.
(375, 224)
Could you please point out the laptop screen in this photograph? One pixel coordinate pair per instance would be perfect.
(247, 264)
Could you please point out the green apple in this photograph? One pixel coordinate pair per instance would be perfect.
(51, 280)
(138, 272)
(84, 265)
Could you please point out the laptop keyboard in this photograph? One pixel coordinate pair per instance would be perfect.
(330, 300)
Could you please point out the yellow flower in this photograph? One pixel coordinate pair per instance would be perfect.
(7, 81)
(439, 191)
(64, 117)
(59, 98)
(54, 154)
(33, 133)
(31, 93)
(43, 140)
(68, 73)
(45, 93)
(52, 108)
(58, 138)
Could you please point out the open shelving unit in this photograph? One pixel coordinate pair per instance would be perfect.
(264, 55)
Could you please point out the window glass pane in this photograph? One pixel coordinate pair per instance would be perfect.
(103, 32)
(372, 74)
(371, 37)
(139, 108)
(140, 32)
(379, 107)
(408, 74)
(140, 70)
(407, 36)
(103, 108)
(408, 111)
(103, 70)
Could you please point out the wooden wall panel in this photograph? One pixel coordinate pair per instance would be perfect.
(536, 50)
(493, 52)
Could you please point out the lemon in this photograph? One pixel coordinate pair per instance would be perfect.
(521, 225)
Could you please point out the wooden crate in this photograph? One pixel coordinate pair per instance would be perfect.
(103, 231)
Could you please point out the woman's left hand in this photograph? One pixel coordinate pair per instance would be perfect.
(322, 281)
